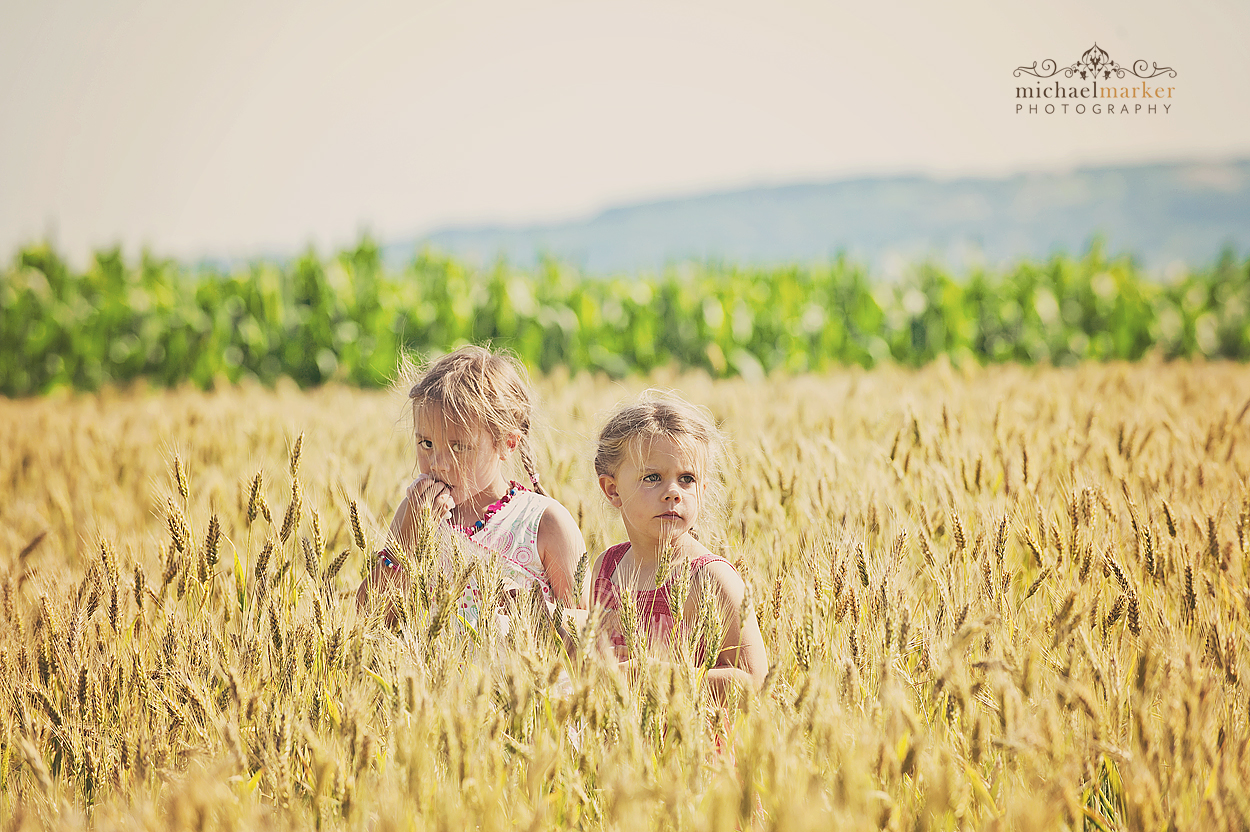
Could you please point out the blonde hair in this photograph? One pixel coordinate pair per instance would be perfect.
(665, 415)
(474, 386)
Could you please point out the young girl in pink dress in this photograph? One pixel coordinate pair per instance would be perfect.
(472, 414)
(657, 460)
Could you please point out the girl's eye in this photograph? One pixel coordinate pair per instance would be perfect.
(458, 448)
(651, 478)
(425, 444)
(687, 479)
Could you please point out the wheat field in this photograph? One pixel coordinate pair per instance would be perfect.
(993, 598)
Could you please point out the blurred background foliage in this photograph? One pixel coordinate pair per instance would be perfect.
(347, 318)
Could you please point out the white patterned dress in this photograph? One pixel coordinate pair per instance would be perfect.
(510, 537)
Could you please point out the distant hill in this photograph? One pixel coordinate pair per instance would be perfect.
(1160, 213)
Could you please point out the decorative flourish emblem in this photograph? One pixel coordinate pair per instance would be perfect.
(1095, 63)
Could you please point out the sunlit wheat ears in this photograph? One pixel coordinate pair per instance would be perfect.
(335, 565)
(291, 519)
(212, 541)
(579, 575)
(358, 534)
(178, 530)
(180, 479)
(628, 613)
(1139, 699)
(312, 562)
(296, 450)
(711, 627)
(665, 562)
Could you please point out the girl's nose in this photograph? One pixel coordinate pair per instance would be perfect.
(440, 465)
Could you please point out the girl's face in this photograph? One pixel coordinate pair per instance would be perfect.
(657, 489)
(464, 457)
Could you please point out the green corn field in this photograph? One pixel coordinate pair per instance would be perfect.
(346, 318)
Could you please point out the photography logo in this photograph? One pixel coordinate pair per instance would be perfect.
(1096, 85)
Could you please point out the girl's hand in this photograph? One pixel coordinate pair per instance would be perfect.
(380, 581)
(427, 492)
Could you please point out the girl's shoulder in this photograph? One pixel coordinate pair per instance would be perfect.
(605, 563)
(699, 557)
(553, 514)
(604, 566)
(699, 561)
(720, 574)
(532, 499)
(539, 503)
(613, 554)
(541, 513)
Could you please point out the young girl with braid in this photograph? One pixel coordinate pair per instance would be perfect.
(472, 414)
(657, 462)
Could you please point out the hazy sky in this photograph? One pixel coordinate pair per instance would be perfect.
(235, 128)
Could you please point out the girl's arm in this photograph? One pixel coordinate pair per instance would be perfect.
(743, 660)
(380, 576)
(424, 490)
(560, 548)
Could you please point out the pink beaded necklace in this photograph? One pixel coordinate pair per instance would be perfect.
(492, 510)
